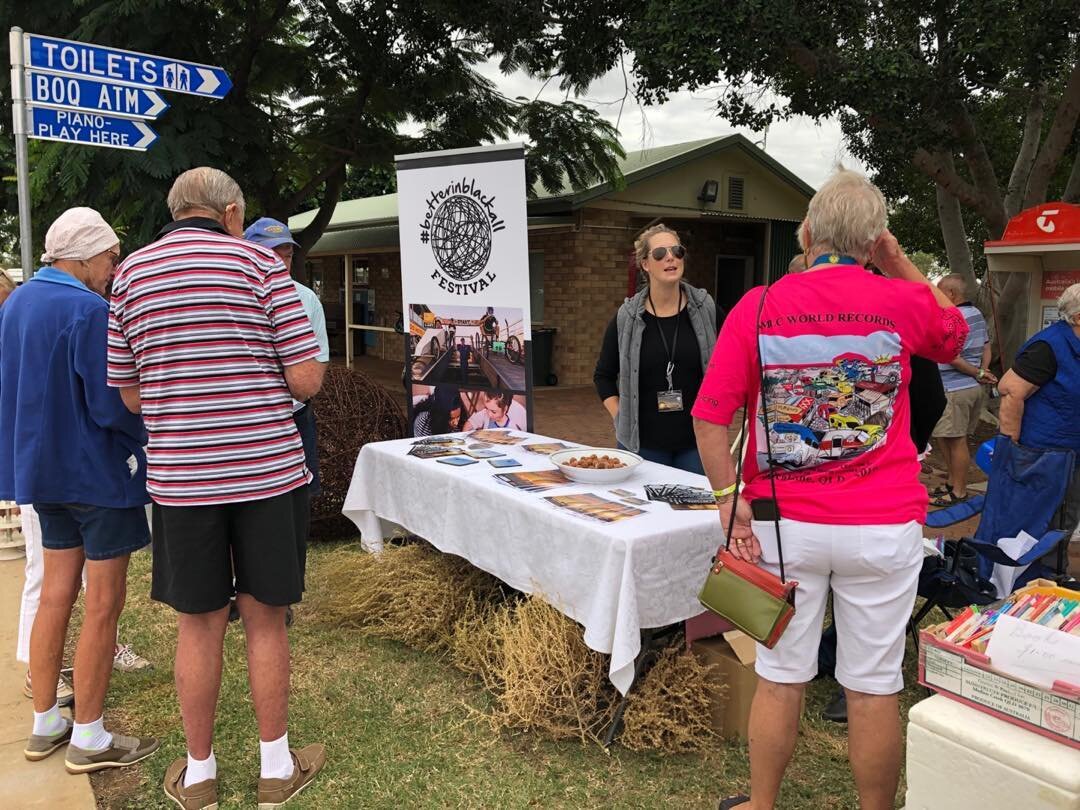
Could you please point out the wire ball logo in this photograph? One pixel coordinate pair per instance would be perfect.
(459, 224)
(461, 238)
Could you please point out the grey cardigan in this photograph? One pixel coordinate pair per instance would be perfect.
(630, 324)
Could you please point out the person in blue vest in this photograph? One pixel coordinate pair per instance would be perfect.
(70, 447)
(463, 351)
(1040, 396)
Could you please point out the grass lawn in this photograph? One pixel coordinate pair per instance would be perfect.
(404, 729)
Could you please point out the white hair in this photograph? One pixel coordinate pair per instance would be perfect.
(206, 188)
(1069, 303)
(847, 215)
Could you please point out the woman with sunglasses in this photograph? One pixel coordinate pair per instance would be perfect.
(654, 355)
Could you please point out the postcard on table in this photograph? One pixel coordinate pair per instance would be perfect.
(533, 481)
(484, 453)
(433, 451)
(495, 436)
(593, 507)
(439, 440)
(457, 461)
(504, 462)
(547, 448)
(622, 493)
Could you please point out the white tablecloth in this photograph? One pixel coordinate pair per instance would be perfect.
(613, 578)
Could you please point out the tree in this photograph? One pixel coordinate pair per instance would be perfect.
(321, 92)
(925, 87)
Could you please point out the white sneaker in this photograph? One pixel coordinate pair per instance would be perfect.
(64, 693)
(127, 660)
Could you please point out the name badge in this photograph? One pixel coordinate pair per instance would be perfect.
(669, 401)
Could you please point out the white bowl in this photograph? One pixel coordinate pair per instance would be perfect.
(589, 476)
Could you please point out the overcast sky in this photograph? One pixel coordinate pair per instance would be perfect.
(808, 149)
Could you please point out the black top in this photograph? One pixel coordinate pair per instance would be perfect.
(674, 430)
(927, 396)
(1036, 363)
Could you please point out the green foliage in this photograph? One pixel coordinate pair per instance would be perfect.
(322, 92)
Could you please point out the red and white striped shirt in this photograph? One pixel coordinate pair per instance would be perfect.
(203, 323)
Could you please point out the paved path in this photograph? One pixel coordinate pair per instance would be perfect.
(23, 784)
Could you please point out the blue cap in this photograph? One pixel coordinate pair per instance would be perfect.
(269, 233)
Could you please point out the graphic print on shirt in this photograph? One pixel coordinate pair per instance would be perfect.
(828, 398)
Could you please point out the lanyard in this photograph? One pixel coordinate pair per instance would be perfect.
(832, 258)
(669, 351)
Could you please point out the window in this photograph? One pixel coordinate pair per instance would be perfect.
(735, 193)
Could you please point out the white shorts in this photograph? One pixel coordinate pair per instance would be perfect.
(873, 572)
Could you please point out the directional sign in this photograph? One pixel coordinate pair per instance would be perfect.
(115, 66)
(89, 128)
(69, 93)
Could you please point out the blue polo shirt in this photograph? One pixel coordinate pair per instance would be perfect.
(65, 436)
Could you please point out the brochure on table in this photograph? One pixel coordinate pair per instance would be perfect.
(465, 288)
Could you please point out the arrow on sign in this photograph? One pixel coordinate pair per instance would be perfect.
(89, 128)
(88, 95)
(85, 60)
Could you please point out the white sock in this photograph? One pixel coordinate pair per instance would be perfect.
(48, 722)
(91, 736)
(275, 757)
(199, 770)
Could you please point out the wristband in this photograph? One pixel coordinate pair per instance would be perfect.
(723, 493)
(982, 373)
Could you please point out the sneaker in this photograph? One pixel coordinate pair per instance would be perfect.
(65, 695)
(39, 746)
(123, 751)
(127, 660)
(307, 762)
(200, 796)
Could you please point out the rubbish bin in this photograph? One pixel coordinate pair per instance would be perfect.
(543, 339)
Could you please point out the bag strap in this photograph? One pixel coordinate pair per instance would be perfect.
(768, 440)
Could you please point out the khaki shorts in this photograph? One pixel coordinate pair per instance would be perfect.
(962, 409)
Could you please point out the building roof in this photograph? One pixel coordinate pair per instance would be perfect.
(374, 212)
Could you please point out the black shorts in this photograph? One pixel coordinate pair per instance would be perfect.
(199, 550)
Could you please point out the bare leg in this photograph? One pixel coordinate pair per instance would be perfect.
(959, 460)
(874, 748)
(774, 728)
(268, 664)
(106, 590)
(59, 588)
(942, 446)
(198, 675)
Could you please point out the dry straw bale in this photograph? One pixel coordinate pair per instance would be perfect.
(351, 410)
(550, 681)
(477, 641)
(411, 593)
(670, 710)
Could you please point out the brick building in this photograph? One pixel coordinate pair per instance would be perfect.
(735, 208)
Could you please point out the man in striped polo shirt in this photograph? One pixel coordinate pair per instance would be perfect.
(963, 379)
(209, 341)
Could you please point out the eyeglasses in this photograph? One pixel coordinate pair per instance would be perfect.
(658, 253)
(114, 258)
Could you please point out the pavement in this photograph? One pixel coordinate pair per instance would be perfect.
(26, 785)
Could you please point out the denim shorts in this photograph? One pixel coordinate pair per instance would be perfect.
(102, 532)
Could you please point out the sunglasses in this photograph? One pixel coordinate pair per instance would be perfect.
(658, 253)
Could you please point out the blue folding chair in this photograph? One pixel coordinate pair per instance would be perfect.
(1025, 489)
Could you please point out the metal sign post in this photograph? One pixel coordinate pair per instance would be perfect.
(22, 159)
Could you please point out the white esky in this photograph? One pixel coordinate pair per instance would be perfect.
(808, 149)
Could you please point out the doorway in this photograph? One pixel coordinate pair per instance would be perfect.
(734, 276)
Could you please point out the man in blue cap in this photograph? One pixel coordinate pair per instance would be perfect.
(276, 236)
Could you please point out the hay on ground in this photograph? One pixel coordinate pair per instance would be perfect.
(412, 593)
(670, 709)
(477, 641)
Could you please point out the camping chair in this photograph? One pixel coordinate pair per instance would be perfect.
(1025, 489)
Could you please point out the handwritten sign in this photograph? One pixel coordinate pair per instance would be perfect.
(1034, 653)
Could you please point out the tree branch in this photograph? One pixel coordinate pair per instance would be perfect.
(1072, 188)
(981, 168)
(1057, 140)
(311, 185)
(314, 231)
(947, 178)
(952, 231)
(1029, 149)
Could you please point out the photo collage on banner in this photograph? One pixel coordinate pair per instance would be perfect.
(465, 289)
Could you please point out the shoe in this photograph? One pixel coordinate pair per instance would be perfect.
(836, 711)
(307, 762)
(65, 695)
(39, 746)
(127, 660)
(234, 611)
(733, 801)
(200, 796)
(123, 751)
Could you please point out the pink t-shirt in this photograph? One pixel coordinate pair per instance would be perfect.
(836, 344)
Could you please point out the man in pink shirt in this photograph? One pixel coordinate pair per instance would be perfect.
(835, 344)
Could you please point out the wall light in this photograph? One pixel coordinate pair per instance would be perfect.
(709, 191)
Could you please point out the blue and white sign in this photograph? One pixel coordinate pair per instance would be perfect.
(88, 95)
(89, 128)
(130, 68)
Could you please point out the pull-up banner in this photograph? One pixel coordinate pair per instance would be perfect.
(465, 288)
